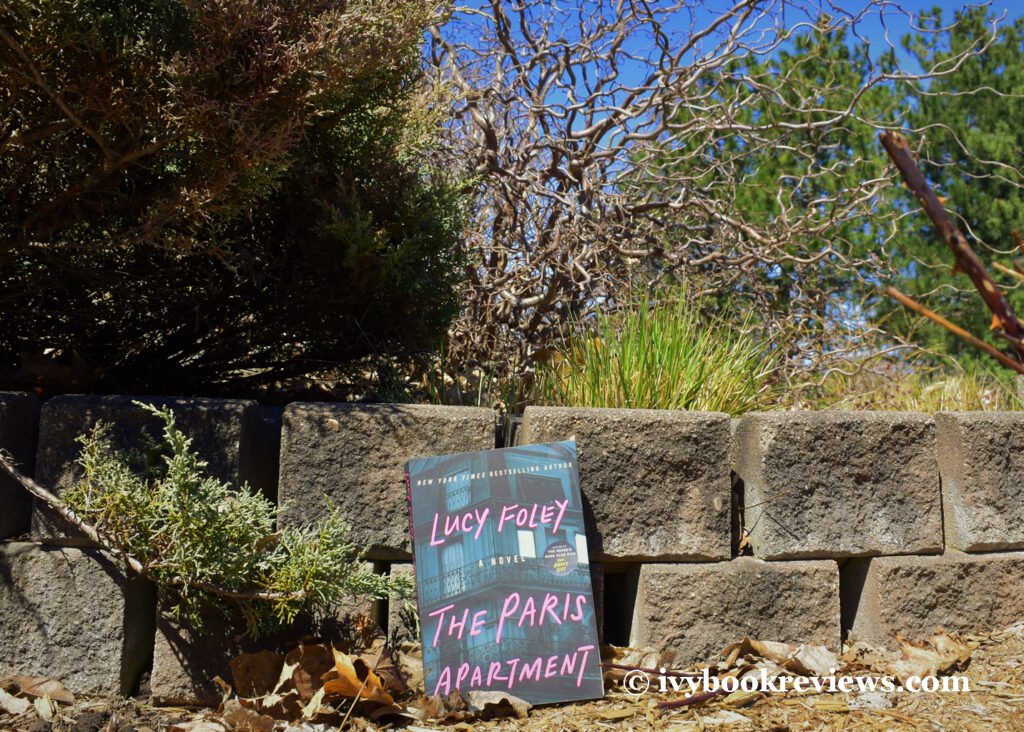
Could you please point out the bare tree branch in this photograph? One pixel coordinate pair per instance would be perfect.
(966, 260)
(920, 309)
(595, 137)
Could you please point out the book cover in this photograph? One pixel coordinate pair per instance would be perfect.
(503, 574)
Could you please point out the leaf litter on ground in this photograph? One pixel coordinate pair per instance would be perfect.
(271, 692)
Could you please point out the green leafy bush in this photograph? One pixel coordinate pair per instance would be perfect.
(217, 197)
(661, 356)
(211, 544)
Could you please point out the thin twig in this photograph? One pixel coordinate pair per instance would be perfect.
(1006, 270)
(953, 328)
(778, 495)
(57, 99)
(654, 671)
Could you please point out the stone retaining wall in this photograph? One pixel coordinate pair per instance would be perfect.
(862, 523)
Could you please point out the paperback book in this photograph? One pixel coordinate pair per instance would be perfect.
(503, 574)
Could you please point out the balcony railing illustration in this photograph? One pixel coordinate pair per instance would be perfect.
(479, 575)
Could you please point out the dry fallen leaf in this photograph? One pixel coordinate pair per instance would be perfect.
(379, 659)
(313, 707)
(933, 656)
(941, 653)
(37, 686)
(46, 708)
(617, 661)
(391, 712)
(744, 542)
(353, 678)
(498, 704)
(860, 655)
(283, 697)
(256, 674)
(449, 708)
(13, 705)
(239, 717)
(411, 666)
(312, 662)
(800, 659)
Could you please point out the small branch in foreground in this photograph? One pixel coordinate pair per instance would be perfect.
(652, 671)
(953, 328)
(967, 261)
(134, 564)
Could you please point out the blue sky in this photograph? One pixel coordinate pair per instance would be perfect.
(893, 17)
(886, 16)
(873, 29)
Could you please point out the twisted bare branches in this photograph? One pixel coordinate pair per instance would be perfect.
(623, 143)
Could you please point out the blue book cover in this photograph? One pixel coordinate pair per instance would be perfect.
(503, 574)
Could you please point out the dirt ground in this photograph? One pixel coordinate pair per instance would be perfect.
(995, 702)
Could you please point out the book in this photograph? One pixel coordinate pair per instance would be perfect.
(503, 574)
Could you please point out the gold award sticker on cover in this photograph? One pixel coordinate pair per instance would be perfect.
(560, 558)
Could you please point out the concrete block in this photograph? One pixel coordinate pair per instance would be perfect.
(186, 659)
(354, 456)
(69, 614)
(220, 430)
(981, 460)
(597, 583)
(915, 595)
(697, 610)
(655, 483)
(19, 422)
(839, 484)
(400, 624)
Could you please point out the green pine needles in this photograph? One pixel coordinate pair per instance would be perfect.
(214, 545)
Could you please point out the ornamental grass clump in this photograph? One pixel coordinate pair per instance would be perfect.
(917, 388)
(662, 356)
(212, 544)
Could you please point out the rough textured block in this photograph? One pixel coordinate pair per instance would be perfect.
(220, 432)
(655, 483)
(186, 660)
(69, 614)
(839, 484)
(19, 420)
(399, 623)
(698, 609)
(981, 459)
(915, 595)
(597, 583)
(354, 455)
